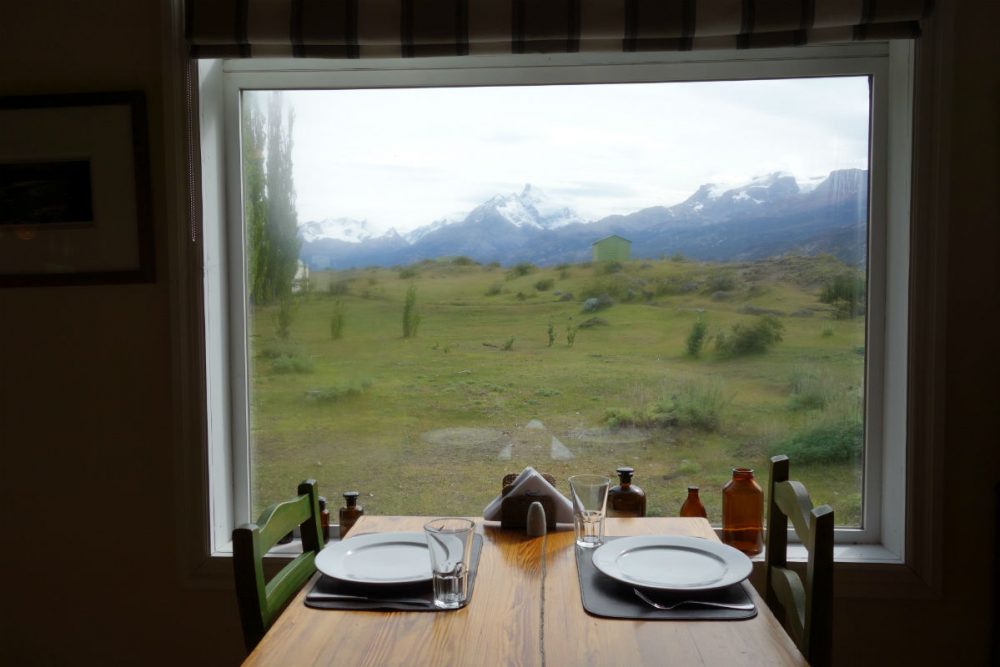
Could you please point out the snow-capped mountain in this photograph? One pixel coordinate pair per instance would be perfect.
(769, 215)
(341, 229)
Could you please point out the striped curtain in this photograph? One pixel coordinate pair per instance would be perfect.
(410, 28)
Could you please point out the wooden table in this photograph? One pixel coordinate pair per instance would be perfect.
(525, 610)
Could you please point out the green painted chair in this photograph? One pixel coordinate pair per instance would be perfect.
(807, 607)
(260, 602)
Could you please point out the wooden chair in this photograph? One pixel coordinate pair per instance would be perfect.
(808, 608)
(260, 602)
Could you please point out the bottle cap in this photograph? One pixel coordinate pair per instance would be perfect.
(692, 487)
(322, 503)
(625, 473)
(351, 497)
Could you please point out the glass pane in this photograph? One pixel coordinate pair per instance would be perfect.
(451, 284)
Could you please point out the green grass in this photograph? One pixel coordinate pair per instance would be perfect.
(373, 411)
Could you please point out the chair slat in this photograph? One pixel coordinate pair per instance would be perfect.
(807, 606)
(260, 602)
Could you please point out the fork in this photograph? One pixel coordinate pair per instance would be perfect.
(362, 598)
(748, 606)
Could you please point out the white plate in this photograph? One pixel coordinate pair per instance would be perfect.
(378, 558)
(672, 562)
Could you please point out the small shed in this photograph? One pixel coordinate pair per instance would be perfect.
(612, 247)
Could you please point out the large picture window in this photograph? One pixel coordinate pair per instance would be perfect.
(435, 275)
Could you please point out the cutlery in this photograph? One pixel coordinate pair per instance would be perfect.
(363, 598)
(704, 603)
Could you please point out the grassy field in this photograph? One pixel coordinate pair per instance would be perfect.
(430, 424)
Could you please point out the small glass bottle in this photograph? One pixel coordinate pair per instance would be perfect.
(692, 504)
(324, 519)
(350, 512)
(743, 513)
(626, 499)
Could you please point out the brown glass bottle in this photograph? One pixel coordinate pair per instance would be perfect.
(743, 512)
(626, 499)
(324, 519)
(692, 504)
(349, 513)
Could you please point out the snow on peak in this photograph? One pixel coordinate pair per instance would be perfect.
(533, 208)
(341, 229)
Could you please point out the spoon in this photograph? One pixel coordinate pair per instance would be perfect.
(748, 606)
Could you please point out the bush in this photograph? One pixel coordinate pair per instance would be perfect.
(809, 392)
(835, 442)
(699, 406)
(696, 339)
(337, 321)
(407, 273)
(594, 304)
(520, 269)
(288, 364)
(610, 266)
(545, 284)
(411, 318)
(552, 334)
(338, 287)
(339, 391)
(493, 289)
(462, 260)
(720, 282)
(570, 333)
(755, 338)
(846, 293)
(509, 345)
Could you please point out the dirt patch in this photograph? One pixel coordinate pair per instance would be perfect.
(466, 437)
(606, 436)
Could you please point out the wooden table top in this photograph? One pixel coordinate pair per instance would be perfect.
(525, 610)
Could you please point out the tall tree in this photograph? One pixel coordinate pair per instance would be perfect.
(269, 200)
(255, 200)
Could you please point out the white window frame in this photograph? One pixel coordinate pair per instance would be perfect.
(882, 538)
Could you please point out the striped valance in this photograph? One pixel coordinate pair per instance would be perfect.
(394, 28)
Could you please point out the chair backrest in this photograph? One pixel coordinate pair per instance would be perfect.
(261, 602)
(808, 608)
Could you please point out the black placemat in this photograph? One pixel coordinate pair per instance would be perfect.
(610, 598)
(385, 594)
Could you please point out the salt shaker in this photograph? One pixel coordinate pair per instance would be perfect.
(536, 520)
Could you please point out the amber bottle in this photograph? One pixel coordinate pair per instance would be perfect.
(324, 519)
(350, 512)
(692, 504)
(626, 499)
(743, 512)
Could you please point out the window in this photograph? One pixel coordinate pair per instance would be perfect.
(497, 370)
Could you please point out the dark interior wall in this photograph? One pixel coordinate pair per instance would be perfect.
(86, 391)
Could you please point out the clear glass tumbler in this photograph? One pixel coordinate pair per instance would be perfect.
(449, 541)
(590, 499)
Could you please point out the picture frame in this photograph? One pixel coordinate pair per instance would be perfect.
(75, 195)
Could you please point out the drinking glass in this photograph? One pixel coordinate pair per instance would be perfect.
(590, 499)
(449, 541)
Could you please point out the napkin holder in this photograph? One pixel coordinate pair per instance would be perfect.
(514, 508)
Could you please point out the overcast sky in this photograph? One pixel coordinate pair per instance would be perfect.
(404, 158)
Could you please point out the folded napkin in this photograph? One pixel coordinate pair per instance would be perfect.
(530, 481)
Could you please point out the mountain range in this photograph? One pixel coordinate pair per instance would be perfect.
(770, 216)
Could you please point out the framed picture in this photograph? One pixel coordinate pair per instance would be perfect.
(74, 190)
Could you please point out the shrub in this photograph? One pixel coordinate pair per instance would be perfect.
(834, 442)
(509, 345)
(610, 266)
(696, 339)
(285, 316)
(520, 269)
(493, 289)
(594, 304)
(754, 338)
(545, 284)
(337, 321)
(288, 364)
(552, 334)
(699, 405)
(846, 293)
(338, 287)
(407, 273)
(462, 260)
(411, 318)
(339, 391)
(809, 392)
(570, 333)
(720, 282)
